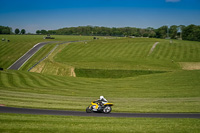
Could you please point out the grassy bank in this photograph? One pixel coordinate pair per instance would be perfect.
(164, 92)
(20, 44)
(123, 54)
(120, 69)
(43, 123)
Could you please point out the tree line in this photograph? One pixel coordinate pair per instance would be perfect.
(8, 30)
(190, 32)
(5, 30)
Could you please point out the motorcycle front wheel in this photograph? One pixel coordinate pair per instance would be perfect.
(107, 109)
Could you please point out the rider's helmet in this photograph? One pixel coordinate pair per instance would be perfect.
(101, 97)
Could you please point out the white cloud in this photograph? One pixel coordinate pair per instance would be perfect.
(172, 0)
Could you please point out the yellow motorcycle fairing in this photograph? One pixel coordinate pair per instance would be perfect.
(109, 104)
(94, 104)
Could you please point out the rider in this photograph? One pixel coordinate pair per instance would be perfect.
(101, 100)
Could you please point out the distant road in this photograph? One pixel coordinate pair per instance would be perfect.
(4, 109)
(27, 56)
(23, 59)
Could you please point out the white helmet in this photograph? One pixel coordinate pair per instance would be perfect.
(101, 97)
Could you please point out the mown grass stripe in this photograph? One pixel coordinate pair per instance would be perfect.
(17, 81)
(3, 49)
(127, 51)
(67, 50)
(24, 80)
(114, 52)
(10, 80)
(120, 51)
(165, 50)
(181, 52)
(188, 52)
(6, 59)
(173, 52)
(140, 49)
(144, 49)
(53, 80)
(38, 80)
(107, 49)
(1, 77)
(192, 51)
(4, 79)
(79, 52)
(184, 49)
(47, 81)
(136, 48)
(167, 54)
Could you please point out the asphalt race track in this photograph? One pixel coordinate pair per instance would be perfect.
(27, 56)
(4, 109)
(23, 59)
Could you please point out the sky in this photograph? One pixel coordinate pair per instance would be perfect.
(33, 15)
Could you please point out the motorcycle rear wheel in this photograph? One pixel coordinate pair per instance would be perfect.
(88, 110)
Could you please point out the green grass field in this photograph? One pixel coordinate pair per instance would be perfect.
(125, 54)
(121, 69)
(72, 124)
(132, 80)
(168, 92)
(20, 44)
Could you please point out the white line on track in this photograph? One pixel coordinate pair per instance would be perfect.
(23, 55)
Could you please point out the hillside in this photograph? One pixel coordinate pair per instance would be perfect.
(169, 92)
(18, 45)
(121, 69)
(117, 57)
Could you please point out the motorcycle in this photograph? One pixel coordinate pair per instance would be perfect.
(98, 106)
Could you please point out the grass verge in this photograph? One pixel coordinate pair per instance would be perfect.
(73, 124)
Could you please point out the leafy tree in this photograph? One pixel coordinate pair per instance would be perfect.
(142, 32)
(5, 30)
(188, 32)
(173, 31)
(43, 32)
(197, 33)
(23, 31)
(162, 32)
(180, 30)
(17, 31)
(51, 32)
(151, 32)
(191, 32)
(38, 32)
